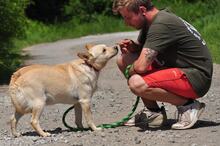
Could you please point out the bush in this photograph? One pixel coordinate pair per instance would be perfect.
(12, 26)
(190, 9)
(47, 11)
(87, 10)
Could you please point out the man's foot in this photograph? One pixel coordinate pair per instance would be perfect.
(188, 115)
(145, 116)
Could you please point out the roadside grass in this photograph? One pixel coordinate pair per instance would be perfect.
(210, 29)
(37, 32)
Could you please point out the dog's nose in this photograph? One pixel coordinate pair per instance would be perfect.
(117, 47)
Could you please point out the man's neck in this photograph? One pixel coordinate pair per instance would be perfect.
(151, 15)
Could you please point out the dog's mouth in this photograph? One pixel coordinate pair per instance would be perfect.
(116, 48)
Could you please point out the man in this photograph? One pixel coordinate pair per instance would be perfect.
(170, 62)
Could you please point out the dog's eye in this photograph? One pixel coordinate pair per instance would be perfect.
(104, 50)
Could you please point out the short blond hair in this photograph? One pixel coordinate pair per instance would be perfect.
(132, 5)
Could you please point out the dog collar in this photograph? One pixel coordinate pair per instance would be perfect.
(90, 65)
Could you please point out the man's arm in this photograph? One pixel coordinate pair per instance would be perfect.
(145, 59)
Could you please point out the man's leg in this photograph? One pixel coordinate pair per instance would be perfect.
(157, 116)
(171, 86)
(139, 87)
(123, 61)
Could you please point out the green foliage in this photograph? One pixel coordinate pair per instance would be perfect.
(12, 25)
(210, 28)
(87, 10)
(38, 32)
(191, 10)
(53, 11)
(48, 11)
(12, 18)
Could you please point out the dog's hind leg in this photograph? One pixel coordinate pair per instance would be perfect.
(78, 115)
(14, 120)
(36, 113)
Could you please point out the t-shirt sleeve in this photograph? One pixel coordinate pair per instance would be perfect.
(159, 38)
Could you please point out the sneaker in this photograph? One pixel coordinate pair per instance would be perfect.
(188, 115)
(145, 116)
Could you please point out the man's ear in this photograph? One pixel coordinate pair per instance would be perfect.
(88, 46)
(84, 56)
(142, 9)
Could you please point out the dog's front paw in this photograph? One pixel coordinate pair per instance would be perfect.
(45, 134)
(97, 129)
(17, 134)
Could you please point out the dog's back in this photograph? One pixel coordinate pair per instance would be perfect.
(21, 71)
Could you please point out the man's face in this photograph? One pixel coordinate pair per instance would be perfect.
(136, 20)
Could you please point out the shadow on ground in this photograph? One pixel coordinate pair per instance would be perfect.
(167, 126)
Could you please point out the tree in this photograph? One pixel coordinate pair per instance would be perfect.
(12, 25)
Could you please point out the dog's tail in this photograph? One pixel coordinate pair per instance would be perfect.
(15, 92)
(20, 72)
(14, 77)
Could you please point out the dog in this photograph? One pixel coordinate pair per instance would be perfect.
(33, 87)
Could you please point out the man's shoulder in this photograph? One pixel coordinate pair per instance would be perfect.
(165, 17)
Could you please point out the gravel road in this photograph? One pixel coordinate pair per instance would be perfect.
(110, 103)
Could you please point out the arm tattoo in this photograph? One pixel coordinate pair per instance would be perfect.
(145, 59)
(150, 55)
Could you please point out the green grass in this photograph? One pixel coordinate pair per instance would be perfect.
(37, 32)
(209, 27)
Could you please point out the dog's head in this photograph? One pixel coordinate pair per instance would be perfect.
(98, 55)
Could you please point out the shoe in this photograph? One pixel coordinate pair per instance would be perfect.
(188, 115)
(145, 116)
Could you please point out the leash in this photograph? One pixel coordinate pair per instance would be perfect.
(105, 126)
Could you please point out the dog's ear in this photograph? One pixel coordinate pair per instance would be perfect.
(88, 46)
(84, 56)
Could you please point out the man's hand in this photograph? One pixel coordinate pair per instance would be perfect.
(128, 46)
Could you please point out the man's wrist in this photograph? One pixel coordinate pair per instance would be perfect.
(132, 70)
(127, 71)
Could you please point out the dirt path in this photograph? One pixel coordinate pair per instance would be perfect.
(111, 102)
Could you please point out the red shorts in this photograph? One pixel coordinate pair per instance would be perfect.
(172, 80)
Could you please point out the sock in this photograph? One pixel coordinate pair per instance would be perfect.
(190, 101)
(155, 109)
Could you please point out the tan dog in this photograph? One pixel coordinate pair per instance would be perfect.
(33, 87)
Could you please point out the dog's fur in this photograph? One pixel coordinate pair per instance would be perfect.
(33, 87)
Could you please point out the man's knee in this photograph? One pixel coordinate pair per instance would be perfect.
(137, 84)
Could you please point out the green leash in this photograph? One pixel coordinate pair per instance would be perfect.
(106, 126)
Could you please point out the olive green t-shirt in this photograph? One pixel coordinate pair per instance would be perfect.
(180, 45)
